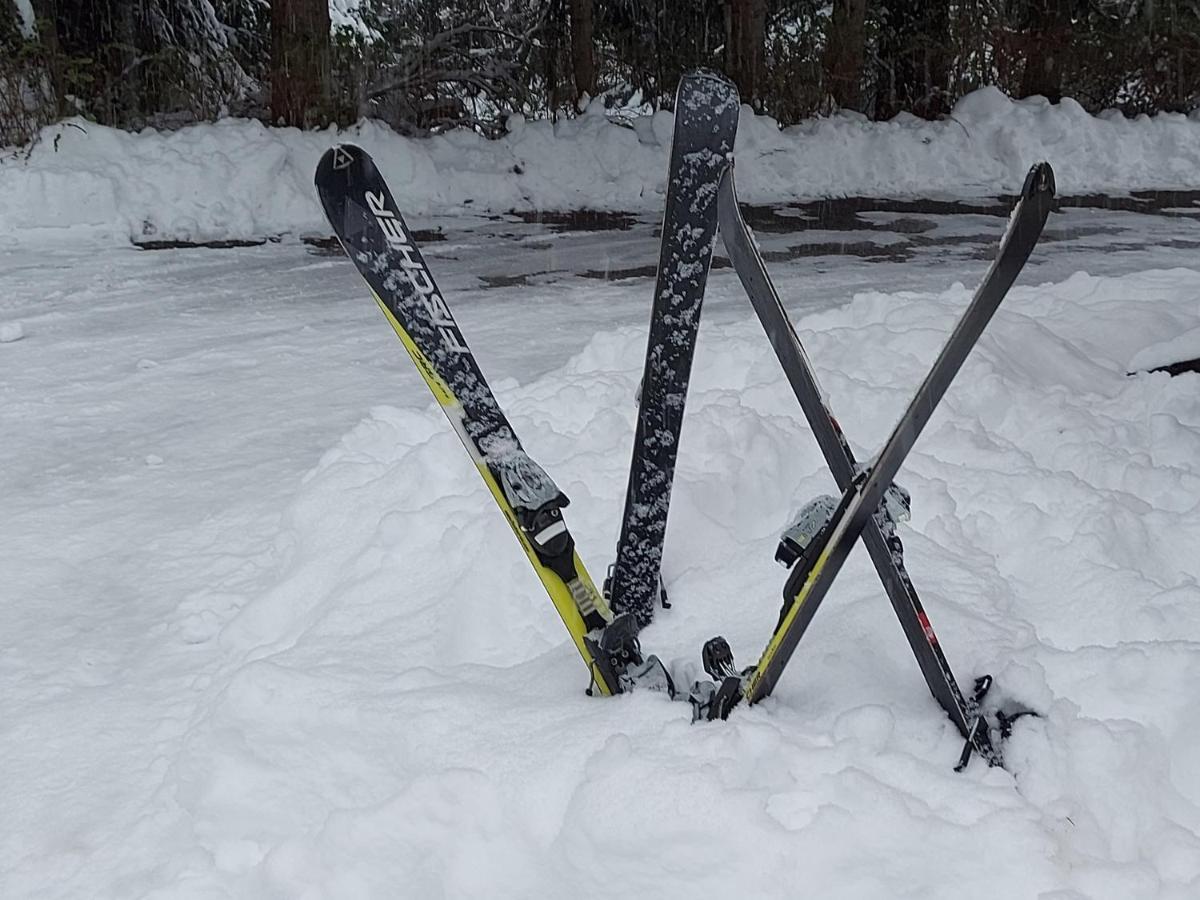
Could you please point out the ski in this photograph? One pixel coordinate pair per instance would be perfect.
(823, 558)
(706, 118)
(879, 533)
(377, 240)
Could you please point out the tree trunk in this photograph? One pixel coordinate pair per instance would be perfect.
(45, 14)
(913, 52)
(745, 37)
(300, 62)
(583, 54)
(844, 51)
(127, 97)
(1049, 38)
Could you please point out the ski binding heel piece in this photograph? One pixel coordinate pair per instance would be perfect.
(712, 702)
(718, 659)
(806, 526)
(617, 653)
(897, 504)
(979, 733)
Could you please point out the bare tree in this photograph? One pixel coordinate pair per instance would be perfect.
(914, 58)
(844, 52)
(472, 69)
(299, 61)
(1048, 31)
(746, 32)
(137, 63)
(424, 66)
(583, 54)
(649, 44)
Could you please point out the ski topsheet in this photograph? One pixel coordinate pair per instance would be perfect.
(810, 581)
(878, 533)
(373, 233)
(706, 117)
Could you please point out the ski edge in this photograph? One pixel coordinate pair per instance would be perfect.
(558, 590)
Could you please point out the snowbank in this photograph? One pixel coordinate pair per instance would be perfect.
(220, 683)
(1176, 349)
(240, 180)
(1054, 527)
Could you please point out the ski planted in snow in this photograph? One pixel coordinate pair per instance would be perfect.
(821, 554)
(879, 533)
(374, 235)
(706, 118)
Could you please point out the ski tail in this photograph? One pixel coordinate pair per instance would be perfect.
(374, 235)
(807, 586)
(706, 116)
(882, 543)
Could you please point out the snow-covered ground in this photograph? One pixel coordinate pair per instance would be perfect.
(263, 634)
(239, 179)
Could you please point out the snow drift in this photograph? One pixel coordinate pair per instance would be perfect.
(1055, 514)
(240, 180)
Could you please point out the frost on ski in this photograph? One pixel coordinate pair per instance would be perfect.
(525, 483)
(705, 125)
(486, 431)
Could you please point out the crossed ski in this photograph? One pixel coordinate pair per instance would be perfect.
(886, 551)
(859, 511)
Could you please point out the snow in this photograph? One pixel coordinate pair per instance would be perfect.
(347, 14)
(1177, 348)
(240, 180)
(264, 634)
(28, 21)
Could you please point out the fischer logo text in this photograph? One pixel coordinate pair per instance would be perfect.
(417, 274)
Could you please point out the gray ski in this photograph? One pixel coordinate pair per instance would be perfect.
(879, 533)
(811, 578)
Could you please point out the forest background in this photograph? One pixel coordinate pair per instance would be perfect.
(424, 66)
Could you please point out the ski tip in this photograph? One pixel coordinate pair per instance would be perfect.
(709, 89)
(1040, 180)
(702, 75)
(342, 159)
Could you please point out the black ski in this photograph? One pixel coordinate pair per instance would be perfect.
(811, 578)
(879, 533)
(706, 116)
(374, 235)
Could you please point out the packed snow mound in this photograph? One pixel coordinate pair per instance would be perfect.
(1179, 348)
(405, 715)
(240, 180)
